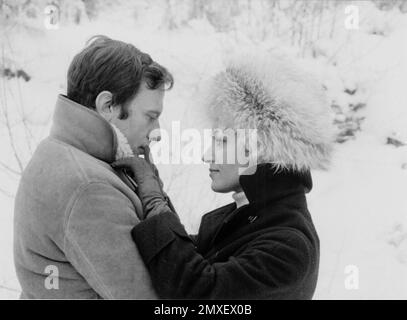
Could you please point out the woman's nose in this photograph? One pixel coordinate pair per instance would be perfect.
(208, 155)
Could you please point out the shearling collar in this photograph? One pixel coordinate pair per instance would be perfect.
(123, 146)
(84, 129)
(267, 185)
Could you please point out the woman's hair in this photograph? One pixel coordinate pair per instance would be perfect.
(114, 66)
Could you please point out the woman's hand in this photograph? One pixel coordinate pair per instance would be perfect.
(149, 184)
(139, 169)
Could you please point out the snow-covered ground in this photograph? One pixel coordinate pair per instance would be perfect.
(359, 206)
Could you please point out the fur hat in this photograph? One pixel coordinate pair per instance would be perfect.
(283, 102)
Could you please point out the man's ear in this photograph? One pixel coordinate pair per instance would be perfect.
(104, 106)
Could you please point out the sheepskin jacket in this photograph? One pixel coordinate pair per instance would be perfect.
(267, 249)
(74, 213)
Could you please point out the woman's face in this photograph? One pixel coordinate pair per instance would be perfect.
(223, 164)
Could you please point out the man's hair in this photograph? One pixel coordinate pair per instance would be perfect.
(115, 66)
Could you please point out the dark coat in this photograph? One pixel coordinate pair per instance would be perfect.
(268, 249)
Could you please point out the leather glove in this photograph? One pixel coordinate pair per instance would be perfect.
(150, 191)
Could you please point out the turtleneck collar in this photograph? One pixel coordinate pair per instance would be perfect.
(240, 199)
(267, 184)
(84, 129)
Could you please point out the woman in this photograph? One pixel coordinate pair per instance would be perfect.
(264, 245)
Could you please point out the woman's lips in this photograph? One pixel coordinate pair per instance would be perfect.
(212, 172)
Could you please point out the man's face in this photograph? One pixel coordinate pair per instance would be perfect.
(143, 113)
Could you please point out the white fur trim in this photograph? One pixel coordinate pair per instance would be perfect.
(123, 146)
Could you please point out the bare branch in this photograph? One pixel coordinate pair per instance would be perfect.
(7, 123)
(7, 194)
(9, 289)
(8, 168)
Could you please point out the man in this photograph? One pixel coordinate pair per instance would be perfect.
(73, 212)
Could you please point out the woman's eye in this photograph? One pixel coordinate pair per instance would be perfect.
(220, 141)
(220, 136)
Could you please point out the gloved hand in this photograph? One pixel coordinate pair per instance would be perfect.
(150, 190)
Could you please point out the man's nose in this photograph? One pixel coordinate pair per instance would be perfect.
(155, 133)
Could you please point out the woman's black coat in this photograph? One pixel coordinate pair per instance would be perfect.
(268, 249)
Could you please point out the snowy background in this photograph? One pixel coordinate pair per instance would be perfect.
(359, 206)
